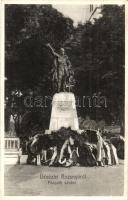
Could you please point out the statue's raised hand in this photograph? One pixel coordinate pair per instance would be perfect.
(48, 45)
(51, 49)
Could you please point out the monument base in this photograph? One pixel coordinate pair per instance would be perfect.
(63, 112)
(47, 131)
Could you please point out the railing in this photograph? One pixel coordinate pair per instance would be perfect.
(12, 144)
(13, 152)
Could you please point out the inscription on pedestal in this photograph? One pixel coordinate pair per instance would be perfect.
(64, 112)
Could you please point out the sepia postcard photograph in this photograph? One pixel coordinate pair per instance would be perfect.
(63, 86)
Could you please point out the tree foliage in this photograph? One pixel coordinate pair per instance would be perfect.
(100, 49)
(96, 51)
(28, 29)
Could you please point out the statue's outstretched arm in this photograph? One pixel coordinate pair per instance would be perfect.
(52, 50)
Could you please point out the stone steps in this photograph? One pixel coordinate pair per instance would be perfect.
(11, 158)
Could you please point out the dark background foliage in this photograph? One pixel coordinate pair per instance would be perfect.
(96, 51)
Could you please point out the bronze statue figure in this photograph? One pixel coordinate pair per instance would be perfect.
(62, 69)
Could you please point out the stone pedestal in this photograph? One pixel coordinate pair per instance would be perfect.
(64, 112)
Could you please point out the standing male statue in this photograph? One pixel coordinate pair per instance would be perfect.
(61, 70)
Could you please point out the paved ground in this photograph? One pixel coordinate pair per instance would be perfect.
(94, 181)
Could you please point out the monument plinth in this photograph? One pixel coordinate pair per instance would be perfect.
(63, 112)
